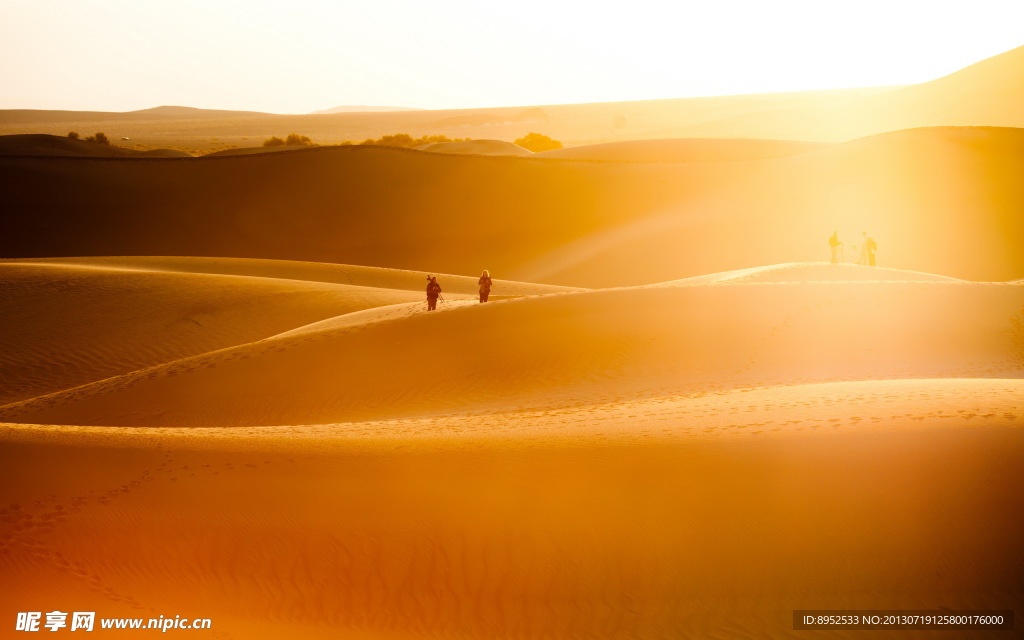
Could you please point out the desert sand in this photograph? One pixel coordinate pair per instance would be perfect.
(302, 450)
(941, 200)
(222, 394)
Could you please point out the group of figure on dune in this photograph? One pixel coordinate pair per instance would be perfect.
(868, 249)
(434, 290)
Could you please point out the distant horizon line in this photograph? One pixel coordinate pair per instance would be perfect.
(399, 109)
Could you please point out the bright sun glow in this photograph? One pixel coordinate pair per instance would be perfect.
(299, 56)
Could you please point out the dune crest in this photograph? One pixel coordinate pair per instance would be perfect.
(807, 272)
(301, 449)
(534, 219)
(570, 348)
(85, 319)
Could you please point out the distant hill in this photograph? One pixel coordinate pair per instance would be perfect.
(363, 109)
(192, 112)
(30, 116)
(988, 93)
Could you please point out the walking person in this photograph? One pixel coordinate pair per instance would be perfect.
(433, 292)
(871, 247)
(836, 246)
(863, 260)
(485, 286)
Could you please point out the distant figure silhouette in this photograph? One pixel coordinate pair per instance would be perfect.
(485, 286)
(433, 293)
(867, 251)
(836, 245)
(870, 247)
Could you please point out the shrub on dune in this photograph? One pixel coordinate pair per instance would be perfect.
(99, 138)
(538, 142)
(407, 141)
(292, 140)
(295, 140)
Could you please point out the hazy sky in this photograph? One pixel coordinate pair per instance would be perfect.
(303, 55)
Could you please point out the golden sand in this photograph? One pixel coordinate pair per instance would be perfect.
(302, 450)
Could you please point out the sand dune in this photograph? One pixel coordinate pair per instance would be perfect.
(906, 188)
(713, 515)
(79, 323)
(81, 319)
(978, 95)
(694, 448)
(542, 220)
(695, 458)
(720, 430)
(567, 348)
(346, 274)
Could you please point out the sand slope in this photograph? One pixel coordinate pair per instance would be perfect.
(939, 200)
(297, 449)
(80, 320)
(692, 458)
(357, 275)
(907, 189)
(569, 348)
(77, 324)
(692, 517)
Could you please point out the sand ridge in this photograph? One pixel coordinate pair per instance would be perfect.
(85, 319)
(614, 463)
(356, 275)
(562, 222)
(402, 360)
(404, 535)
